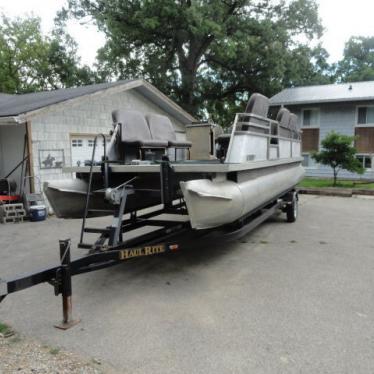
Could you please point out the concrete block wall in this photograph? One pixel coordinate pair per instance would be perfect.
(52, 126)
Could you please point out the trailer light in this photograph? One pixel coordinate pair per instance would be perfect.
(173, 247)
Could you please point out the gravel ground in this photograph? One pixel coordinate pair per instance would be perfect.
(287, 298)
(19, 354)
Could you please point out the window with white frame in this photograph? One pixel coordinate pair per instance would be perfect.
(311, 117)
(77, 143)
(365, 115)
(91, 142)
(308, 161)
(366, 160)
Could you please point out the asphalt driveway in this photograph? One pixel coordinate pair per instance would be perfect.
(287, 298)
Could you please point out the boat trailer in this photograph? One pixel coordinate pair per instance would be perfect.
(168, 237)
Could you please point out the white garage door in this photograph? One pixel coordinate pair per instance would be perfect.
(81, 149)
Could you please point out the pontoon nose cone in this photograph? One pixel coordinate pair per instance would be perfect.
(67, 197)
(212, 204)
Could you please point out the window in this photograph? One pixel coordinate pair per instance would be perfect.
(364, 142)
(77, 143)
(306, 160)
(310, 117)
(310, 140)
(365, 115)
(366, 161)
(91, 142)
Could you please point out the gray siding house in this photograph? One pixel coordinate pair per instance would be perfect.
(345, 108)
(57, 128)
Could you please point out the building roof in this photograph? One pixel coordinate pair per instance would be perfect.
(24, 104)
(343, 92)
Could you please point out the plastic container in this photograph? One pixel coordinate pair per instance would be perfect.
(38, 213)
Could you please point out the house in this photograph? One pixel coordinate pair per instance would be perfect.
(57, 128)
(345, 108)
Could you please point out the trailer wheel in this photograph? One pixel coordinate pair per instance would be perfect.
(292, 209)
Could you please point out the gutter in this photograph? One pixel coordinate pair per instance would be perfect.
(325, 101)
(12, 120)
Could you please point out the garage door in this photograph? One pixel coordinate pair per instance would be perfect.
(81, 149)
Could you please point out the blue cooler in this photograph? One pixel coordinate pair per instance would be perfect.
(38, 213)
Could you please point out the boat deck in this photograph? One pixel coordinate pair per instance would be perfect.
(212, 166)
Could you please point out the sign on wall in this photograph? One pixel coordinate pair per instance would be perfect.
(51, 158)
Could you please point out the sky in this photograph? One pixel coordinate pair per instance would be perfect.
(340, 18)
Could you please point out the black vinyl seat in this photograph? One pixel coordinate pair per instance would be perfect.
(135, 130)
(161, 128)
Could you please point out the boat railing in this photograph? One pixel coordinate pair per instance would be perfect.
(257, 138)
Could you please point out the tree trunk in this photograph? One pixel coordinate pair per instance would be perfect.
(335, 176)
(189, 63)
(187, 89)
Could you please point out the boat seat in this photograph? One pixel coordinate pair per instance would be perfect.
(135, 131)
(283, 117)
(292, 124)
(256, 113)
(162, 129)
(258, 104)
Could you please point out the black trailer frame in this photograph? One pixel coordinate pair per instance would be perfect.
(168, 237)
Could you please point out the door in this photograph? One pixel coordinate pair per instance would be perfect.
(82, 147)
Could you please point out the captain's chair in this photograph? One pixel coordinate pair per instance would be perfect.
(161, 128)
(135, 133)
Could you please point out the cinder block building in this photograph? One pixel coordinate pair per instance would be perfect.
(346, 108)
(54, 129)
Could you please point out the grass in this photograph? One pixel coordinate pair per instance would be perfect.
(54, 351)
(321, 183)
(4, 329)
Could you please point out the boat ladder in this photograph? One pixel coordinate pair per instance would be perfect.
(105, 173)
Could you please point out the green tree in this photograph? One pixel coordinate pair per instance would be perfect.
(338, 153)
(30, 61)
(208, 55)
(358, 60)
(308, 66)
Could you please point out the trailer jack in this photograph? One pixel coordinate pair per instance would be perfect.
(60, 276)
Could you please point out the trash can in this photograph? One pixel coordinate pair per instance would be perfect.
(38, 213)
